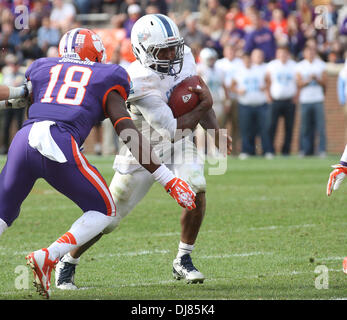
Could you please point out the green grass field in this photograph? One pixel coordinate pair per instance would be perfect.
(268, 226)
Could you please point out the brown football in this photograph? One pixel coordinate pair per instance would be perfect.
(182, 100)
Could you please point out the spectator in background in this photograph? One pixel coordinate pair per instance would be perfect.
(83, 6)
(123, 7)
(42, 8)
(235, 14)
(311, 81)
(9, 38)
(282, 90)
(232, 34)
(191, 33)
(212, 9)
(12, 76)
(52, 52)
(249, 85)
(62, 14)
(47, 35)
(215, 33)
(229, 66)
(296, 39)
(134, 13)
(278, 26)
(343, 27)
(29, 47)
(278, 23)
(260, 38)
(152, 9)
(160, 4)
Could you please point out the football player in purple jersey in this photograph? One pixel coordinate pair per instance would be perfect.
(70, 94)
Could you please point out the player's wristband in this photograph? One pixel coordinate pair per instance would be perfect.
(17, 92)
(120, 119)
(163, 175)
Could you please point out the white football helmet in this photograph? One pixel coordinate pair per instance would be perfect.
(151, 33)
(208, 56)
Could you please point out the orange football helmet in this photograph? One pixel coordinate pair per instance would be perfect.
(82, 44)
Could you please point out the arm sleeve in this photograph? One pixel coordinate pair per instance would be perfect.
(158, 114)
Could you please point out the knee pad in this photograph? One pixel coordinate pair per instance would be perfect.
(120, 187)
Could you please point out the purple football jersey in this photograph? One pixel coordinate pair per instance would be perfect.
(73, 93)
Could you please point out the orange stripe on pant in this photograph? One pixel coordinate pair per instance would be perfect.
(102, 189)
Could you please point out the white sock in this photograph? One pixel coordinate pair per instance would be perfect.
(184, 248)
(3, 226)
(69, 259)
(90, 224)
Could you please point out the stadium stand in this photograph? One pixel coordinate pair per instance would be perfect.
(26, 24)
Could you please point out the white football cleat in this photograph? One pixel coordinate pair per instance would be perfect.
(183, 268)
(65, 273)
(42, 269)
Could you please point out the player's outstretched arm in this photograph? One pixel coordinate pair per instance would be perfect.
(142, 151)
(15, 97)
(8, 92)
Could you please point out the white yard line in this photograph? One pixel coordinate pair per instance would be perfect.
(245, 254)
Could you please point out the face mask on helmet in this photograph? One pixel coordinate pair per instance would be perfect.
(82, 44)
(157, 44)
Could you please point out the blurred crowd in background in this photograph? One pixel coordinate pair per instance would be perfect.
(229, 39)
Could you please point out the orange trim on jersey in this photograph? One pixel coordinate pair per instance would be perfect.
(120, 119)
(67, 238)
(107, 198)
(120, 89)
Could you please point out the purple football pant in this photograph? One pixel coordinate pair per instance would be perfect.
(76, 178)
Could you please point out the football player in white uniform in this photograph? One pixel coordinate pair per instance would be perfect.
(162, 61)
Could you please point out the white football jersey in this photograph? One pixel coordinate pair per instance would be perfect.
(283, 79)
(252, 80)
(313, 92)
(147, 103)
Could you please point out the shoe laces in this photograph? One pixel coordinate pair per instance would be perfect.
(187, 263)
(67, 273)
